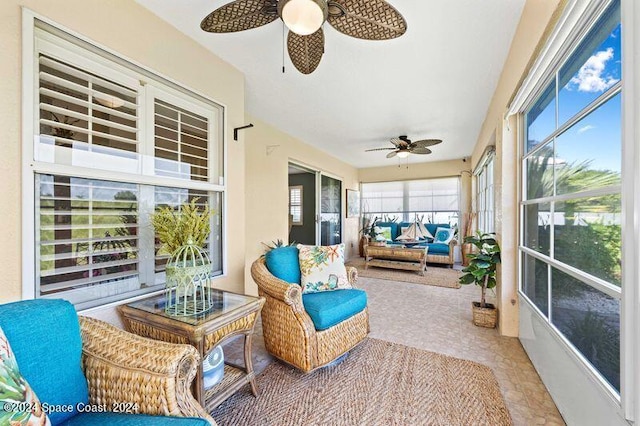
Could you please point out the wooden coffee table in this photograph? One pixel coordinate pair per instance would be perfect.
(232, 314)
(396, 257)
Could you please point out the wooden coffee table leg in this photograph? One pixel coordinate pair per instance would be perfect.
(248, 339)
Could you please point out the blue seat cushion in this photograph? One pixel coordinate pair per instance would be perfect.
(283, 263)
(45, 337)
(438, 248)
(329, 308)
(122, 419)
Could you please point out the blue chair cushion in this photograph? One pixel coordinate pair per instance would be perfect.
(122, 419)
(437, 248)
(329, 308)
(45, 337)
(283, 263)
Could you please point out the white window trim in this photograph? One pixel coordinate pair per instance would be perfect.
(576, 20)
(481, 192)
(30, 111)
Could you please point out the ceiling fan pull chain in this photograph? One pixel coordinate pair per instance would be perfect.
(283, 37)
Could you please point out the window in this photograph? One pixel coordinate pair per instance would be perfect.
(295, 204)
(435, 200)
(571, 209)
(109, 151)
(485, 194)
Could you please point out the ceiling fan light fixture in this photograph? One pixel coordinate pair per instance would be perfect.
(303, 17)
(403, 154)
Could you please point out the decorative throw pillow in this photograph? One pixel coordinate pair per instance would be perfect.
(443, 235)
(19, 405)
(385, 231)
(322, 268)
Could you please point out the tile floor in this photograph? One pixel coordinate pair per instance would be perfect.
(439, 320)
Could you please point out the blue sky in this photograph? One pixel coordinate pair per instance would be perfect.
(597, 137)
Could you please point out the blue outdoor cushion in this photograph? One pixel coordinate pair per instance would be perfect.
(283, 263)
(329, 308)
(436, 248)
(45, 337)
(122, 419)
(432, 227)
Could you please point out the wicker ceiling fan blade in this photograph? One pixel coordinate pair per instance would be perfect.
(369, 20)
(379, 149)
(420, 150)
(392, 154)
(427, 142)
(306, 51)
(240, 15)
(399, 143)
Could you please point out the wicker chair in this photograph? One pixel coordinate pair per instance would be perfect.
(121, 366)
(289, 333)
(70, 360)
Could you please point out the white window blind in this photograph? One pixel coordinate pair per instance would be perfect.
(181, 142)
(113, 143)
(295, 204)
(83, 111)
(425, 195)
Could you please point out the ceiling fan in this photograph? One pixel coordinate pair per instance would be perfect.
(403, 146)
(365, 19)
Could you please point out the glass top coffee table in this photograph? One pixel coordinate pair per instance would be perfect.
(231, 314)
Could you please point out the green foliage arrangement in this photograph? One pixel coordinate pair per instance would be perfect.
(482, 264)
(370, 227)
(278, 243)
(176, 228)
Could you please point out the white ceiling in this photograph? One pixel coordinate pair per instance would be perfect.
(436, 81)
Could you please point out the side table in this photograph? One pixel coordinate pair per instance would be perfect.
(232, 314)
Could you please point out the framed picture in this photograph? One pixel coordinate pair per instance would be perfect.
(353, 203)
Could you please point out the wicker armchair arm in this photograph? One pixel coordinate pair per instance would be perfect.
(352, 276)
(291, 294)
(121, 367)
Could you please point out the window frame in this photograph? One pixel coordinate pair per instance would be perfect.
(34, 24)
(301, 205)
(545, 71)
(485, 202)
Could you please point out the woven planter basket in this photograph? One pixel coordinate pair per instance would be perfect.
(484, 317)
(377, 243)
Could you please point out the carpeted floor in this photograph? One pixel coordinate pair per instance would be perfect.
(378, 383)
(439, 276)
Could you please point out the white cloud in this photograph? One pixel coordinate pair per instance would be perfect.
(590, 78)
(586, 128)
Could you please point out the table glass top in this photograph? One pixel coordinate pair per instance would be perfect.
(224, 302)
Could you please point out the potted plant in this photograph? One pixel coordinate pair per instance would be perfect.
(482, 272)
(370, 233)
(183, 235)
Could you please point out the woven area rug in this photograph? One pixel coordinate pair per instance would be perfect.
(379, 383)
(439, 276)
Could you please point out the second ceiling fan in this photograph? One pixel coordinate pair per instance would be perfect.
(403, 146)
(364, 19)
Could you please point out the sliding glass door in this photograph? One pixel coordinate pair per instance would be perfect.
(330, 211)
